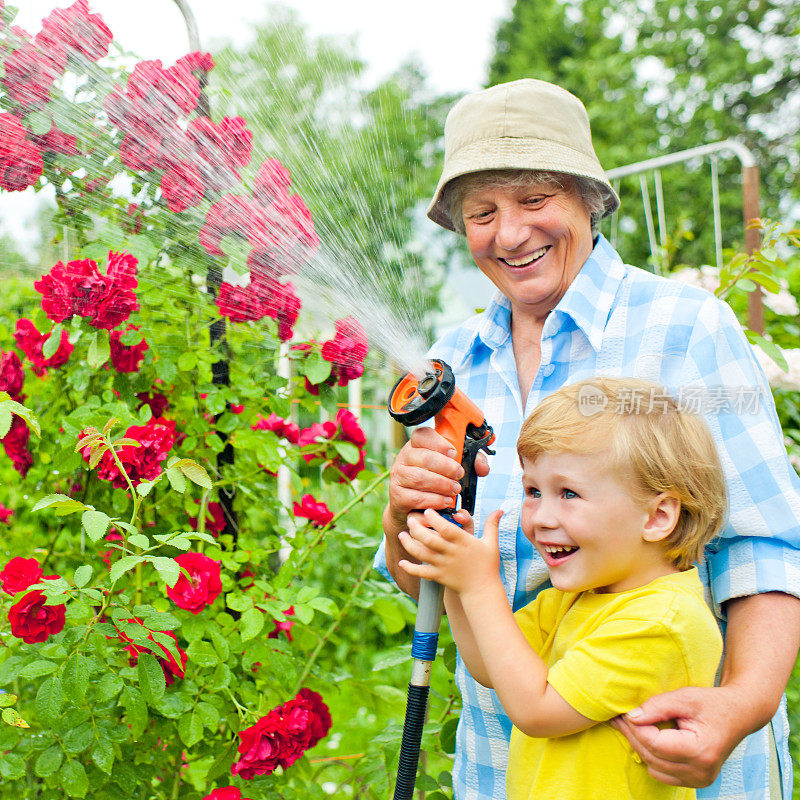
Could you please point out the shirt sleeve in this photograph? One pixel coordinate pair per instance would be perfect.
(759, 548)
(617, 667)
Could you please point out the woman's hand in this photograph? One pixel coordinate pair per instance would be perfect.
(451, 555)
(708, 728)
(425, 474)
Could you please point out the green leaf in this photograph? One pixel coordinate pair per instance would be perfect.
(76, 678)
(447, 735)
(151, 678)
(119, 568)
(108, 686)
(135, 710)
(316, 368)
(190, 728)
(73, 779)
(348, 451)
(49, 700)
(187, 361)
(176, 479)
(202, 653)
(325, 605)
(12, 717)
(224, 761)
(99, 349)
(78, 739)
(168, 569)
(143, 488)
(83, 575)
(139, 540)
(7, 700)
(61, 503)
(5, 420)
(770, 348)
(194, 472)
(48, 761)
(52, 342)
(103, 755)
(12, 767)
(37, 668)
(39, 123)
(251, 623)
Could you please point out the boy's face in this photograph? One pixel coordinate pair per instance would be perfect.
(587, 526)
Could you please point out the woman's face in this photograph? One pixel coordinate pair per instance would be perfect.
(530, 242)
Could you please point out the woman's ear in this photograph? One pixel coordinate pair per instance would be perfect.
(662, 517)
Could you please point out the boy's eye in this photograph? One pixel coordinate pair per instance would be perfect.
(532, 491)
(568, 494)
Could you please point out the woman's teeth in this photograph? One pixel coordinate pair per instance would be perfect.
(525, 260)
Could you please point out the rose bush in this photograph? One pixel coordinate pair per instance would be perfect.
(173, 616)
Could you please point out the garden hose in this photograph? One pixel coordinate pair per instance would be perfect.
(414, 401)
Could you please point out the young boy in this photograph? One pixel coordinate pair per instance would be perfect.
(622, 492)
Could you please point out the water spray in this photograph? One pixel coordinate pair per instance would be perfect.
(415, 400)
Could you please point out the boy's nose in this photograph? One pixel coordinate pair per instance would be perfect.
(543, 515)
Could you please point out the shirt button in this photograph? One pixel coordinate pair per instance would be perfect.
(637, 758)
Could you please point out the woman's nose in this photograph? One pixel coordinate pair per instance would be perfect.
(512, 229)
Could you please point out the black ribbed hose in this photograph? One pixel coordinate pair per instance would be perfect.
(412, 737)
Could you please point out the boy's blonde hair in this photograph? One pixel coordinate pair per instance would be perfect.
(653, 444)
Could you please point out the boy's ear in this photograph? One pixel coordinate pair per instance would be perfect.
(663, 513)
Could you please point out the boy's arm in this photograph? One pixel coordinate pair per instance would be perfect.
(469, 568)
(464, 639)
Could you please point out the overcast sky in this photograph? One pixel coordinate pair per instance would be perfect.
(451, 38)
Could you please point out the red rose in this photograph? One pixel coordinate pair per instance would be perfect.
(127, 358)
(157, 402)
(15, 443)
(22, 168)
(197, 61)
(141, 463)
(281, 737)
(316, 432)
(12, 375)
(78, 288)
(77, 30)
(226, 793)
(319, 514)
(56, 141)
(33, 621)
(202, 586)
(5, 515)
(215, 518)
(231, 214)
(20, 573)
(31, 342)
(283, 626)
(12, 135)
(139, 155)
(281, 427)
(172, 669)
(350, 430)
(271, 182)
(30, 72)
(182, 187)
(346, 351)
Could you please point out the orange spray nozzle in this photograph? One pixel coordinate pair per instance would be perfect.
(415, 400)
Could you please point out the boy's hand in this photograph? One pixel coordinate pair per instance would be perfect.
(452, 556)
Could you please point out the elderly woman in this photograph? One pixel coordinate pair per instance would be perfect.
(522, 182)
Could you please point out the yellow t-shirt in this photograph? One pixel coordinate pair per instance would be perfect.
(606, 654)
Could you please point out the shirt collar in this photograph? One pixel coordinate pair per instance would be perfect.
(591, 294)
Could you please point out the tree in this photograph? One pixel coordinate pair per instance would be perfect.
(672, 75)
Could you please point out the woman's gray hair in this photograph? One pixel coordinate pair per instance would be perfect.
(590, 191)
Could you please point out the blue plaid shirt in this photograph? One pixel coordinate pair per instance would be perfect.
(618, 320)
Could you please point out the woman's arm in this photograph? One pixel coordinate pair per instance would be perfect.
(469, 567)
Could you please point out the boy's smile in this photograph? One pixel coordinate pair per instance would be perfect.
(591, 531)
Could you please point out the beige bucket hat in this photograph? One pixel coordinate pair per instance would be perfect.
(525, 124)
